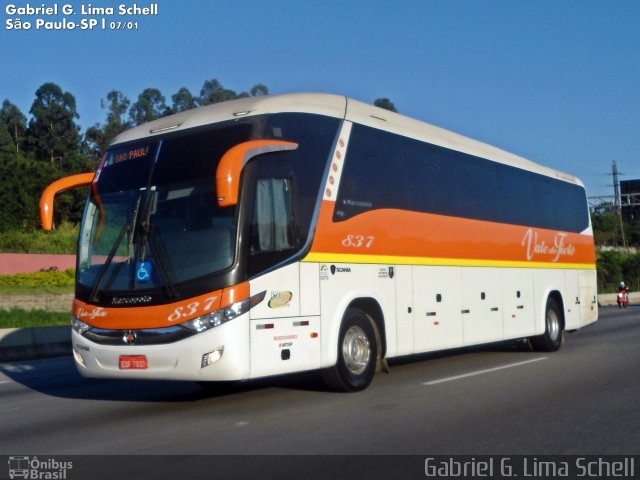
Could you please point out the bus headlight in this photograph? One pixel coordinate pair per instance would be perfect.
(79, 326)
(223, 315)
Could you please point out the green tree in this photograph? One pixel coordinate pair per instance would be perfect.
(53, 133)
(23, 180)
(631, 271)
(98, 137)
(604, 225)
(632, 230)
(259, 90)
(183, 101)
(150, 106)
(386, 104)
(95, 140)
(118, 105)
(212, 91)
(7, 149)
(14, 122)
(609, 266)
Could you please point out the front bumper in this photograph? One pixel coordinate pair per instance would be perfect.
(179, 360)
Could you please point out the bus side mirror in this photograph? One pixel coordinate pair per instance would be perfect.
(234, 160)
(46, 200)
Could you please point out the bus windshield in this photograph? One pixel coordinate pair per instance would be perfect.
(152, 219)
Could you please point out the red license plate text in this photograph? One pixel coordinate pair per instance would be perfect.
(133, 362)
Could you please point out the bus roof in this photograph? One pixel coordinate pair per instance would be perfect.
(338, 107)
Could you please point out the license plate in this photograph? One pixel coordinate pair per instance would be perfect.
(133, 362)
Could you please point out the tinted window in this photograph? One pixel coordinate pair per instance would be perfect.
(384, 170)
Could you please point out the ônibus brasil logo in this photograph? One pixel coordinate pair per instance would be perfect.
(36, 469)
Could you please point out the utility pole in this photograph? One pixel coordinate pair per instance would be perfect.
(617, 203)
(616, 185)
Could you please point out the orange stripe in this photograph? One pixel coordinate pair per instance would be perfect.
(159, 316)
(410, 234)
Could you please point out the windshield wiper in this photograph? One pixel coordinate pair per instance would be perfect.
(132, 225)
(150, 236)
(129, 228)
(94, 291)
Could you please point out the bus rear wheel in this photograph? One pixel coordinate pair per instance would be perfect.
(357, 352)
(553, 336)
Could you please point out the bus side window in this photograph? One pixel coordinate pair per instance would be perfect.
(272, 228)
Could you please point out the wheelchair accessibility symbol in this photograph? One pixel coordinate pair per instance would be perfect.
(143, 273)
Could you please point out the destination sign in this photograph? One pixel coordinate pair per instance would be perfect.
(131, 154)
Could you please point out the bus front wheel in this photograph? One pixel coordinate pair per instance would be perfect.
(357, 351)
(553, 335)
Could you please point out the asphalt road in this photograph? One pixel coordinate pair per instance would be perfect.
(496, 400)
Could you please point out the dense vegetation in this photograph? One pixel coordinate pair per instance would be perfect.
(616, 266)
(62, 240)
(607, 231)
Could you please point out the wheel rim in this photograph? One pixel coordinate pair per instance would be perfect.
(356, 350)
(553, 324)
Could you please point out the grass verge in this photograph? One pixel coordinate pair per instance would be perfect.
(32, 290)
(62, 240)
(18, 318)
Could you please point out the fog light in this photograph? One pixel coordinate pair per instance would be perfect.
(78, 357)
(211, 357)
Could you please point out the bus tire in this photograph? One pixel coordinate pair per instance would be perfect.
(357, 353)
(553, 336)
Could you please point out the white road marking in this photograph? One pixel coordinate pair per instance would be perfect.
(482, 372)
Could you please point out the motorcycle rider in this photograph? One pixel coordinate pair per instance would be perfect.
(622, 288)
(623, 295)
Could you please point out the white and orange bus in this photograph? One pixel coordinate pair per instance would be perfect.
(299, 232)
